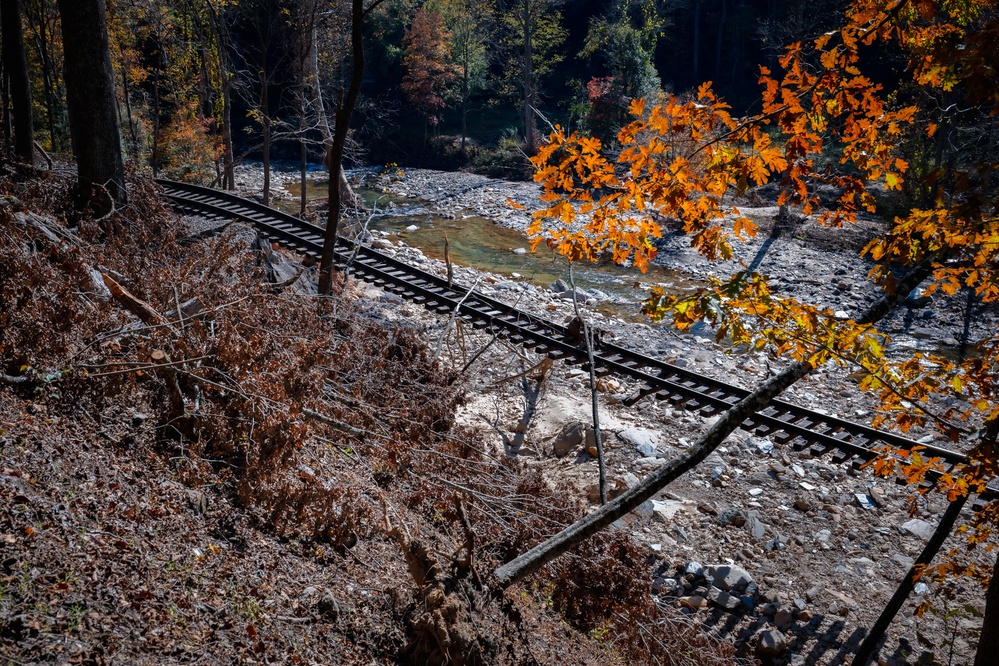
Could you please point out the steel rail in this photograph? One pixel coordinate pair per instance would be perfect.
(789, 424)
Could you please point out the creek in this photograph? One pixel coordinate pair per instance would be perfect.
(482, 244)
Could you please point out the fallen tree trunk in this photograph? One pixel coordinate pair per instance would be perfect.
(526, 564)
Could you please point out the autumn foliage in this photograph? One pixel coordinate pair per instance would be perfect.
(822, 122)
(429, 71)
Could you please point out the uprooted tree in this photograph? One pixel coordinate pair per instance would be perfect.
(679, 159)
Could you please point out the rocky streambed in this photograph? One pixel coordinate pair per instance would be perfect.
(793, 557)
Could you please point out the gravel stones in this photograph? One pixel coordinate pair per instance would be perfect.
(815, 592)
(757, 528)
(731, 516)
(693, 602)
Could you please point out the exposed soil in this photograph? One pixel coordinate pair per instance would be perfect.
(201, 463)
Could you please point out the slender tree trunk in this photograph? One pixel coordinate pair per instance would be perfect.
(988, 641)
(225, 75)
(128, 110)
(39, 21)
(346, 191)
(588, 341)
(90, 97)
(343, 115)
(51, 103)
(228, 168)
(304, 157)
(721, 40)
(16, 69)
(464, 99)
(265, 122)
(697, 42)
(155, 157)
(905, 587)
(5, 89)
(528, 71)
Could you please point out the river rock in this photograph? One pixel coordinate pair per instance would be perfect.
(724, 600)
(918, 528)
(757, 528)
(695, 569)
(645, 441)
(771, 643)
(731, 516)
(729, 577)
(693, 602)
(558, 286)
(664, 511)
(569, 438)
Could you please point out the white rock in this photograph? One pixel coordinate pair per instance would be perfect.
(919, 528)
(665, 510)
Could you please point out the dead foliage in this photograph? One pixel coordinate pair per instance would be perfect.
(200, 467)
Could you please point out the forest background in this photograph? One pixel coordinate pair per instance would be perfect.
(202, 84)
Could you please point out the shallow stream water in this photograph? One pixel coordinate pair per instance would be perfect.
(482, 244)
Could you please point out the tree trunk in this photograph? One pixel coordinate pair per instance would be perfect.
(697, 42)
(346, 191)
(228, 172)
(16, 69)
(39, 21)
(51, 103)
(93, 123)
(335, 163)
(721, 40)
(155, 157)
(265, 123)
(225, 74)
(464, 98)
(128, 110)
(304, 157)
(528, 71)
(988, 642)
(585, 527)
(6, 115)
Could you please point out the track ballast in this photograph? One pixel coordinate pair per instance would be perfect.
(791, 425)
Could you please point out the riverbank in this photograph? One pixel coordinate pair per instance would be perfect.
(822, 543)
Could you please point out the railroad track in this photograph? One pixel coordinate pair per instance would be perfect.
(791, 425)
